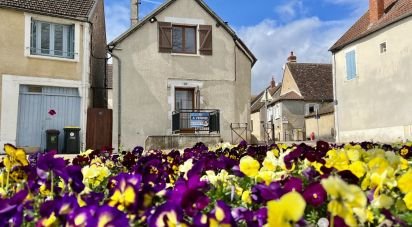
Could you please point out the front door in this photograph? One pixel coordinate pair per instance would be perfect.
(184, 100)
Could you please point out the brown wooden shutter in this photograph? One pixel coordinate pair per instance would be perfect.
(205, 39)
(165, 37)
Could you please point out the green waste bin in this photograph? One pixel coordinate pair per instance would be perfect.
(52, 140)
(71, 140)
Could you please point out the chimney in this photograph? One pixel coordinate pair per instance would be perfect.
(376, 9)
(134, 11)
(273, 83)
(292, 58)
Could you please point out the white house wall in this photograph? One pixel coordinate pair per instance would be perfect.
(376, 105)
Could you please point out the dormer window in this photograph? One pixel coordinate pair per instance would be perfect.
(50, 39)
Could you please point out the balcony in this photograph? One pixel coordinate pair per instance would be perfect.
(196, 121)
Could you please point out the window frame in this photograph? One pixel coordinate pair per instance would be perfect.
(68, 39)
(184, 27)
(192, 90)
(78, 34)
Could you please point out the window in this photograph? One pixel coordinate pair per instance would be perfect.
(311, 108)
(383, 47)
(351, 65)
(51, 39)
(184, 98)
(184, 39)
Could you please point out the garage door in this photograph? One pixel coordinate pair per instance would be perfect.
(42, 108)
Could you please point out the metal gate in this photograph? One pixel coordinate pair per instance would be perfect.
(42, 108)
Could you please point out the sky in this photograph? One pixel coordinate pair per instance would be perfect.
(270, 28)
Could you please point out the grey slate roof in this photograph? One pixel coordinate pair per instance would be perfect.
(314, 81)
(256, 104)
(76, 9)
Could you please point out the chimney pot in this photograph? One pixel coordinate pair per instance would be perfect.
(376, 10)
(273, 83)
(292, 58)
(134, 12)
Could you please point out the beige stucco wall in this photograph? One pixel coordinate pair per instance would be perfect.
(288, 83)
(148, 78)
(326, 127)
(256, 132)
(13, 61)
(376, 104)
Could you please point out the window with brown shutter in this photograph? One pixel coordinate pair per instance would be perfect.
(184, 39)
(165, 37)
(205, 39)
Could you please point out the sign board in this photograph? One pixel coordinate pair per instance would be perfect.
(199, 120)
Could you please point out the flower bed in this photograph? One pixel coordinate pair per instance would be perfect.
(279, 185)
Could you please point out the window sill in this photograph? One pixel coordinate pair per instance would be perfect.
(185, 55)
(76, 59)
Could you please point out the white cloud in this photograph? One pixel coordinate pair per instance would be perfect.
(290, 10)
(271, 42)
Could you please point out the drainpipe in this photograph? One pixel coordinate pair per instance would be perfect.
(335, 100)
(119, 103)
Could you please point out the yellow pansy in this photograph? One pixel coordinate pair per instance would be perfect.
(249, 166)
(185, 167)
(382, 201)
(281, 213)
(408, 200)
(14, 156)
(358, 168)
(270, 163)
(246, 199)
(51, 221)
(266, 176)
(405, 182)
(346, 200)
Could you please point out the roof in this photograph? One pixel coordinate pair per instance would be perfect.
(395, 10)
(327, 108)
(109, 76)
(257, 104)
(166, 4)
(314, 81)
(76, 9)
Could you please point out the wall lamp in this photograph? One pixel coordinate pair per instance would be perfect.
(153, 19)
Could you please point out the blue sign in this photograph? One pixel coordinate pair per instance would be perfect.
(199, 120)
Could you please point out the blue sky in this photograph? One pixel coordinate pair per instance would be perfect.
(270, 28)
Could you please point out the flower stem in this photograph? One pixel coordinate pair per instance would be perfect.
(332, 221)
(52, 184)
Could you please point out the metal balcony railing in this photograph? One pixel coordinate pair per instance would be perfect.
(192, 121)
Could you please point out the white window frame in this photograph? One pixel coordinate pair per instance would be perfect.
(53, 20)
(315, 107)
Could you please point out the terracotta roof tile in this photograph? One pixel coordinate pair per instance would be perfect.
(395, 10)
(314, 81)
(291, 96)
(62, 8)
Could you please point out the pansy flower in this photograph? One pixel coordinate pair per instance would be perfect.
(282, 213)
(14, 156)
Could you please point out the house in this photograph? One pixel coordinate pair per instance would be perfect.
(306, 88)
(372, 65)
(180, 75)
(320, 124)
(259, 113)
(52, 67)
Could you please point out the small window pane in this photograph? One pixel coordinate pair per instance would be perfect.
(383, 47)
(58, 40)
(190, 40)
(33, 38)
(45, 38)
(184, 99)
(177, 34)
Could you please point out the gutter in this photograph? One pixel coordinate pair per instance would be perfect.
(119, 101)
(337, 139)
